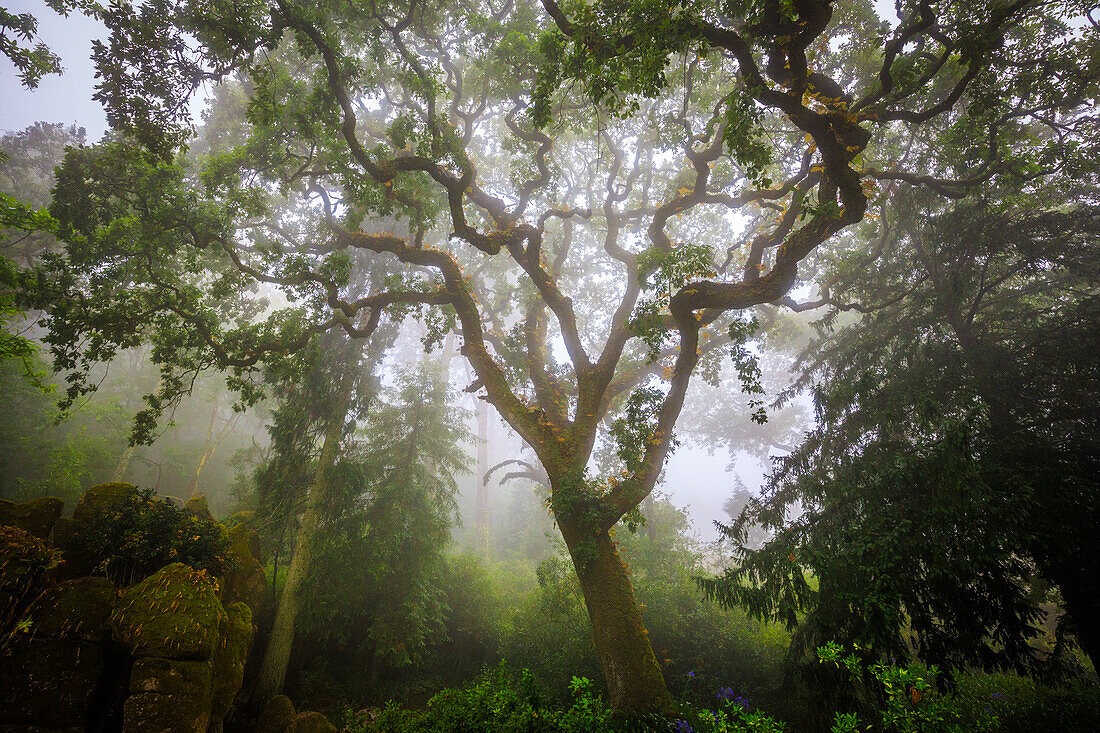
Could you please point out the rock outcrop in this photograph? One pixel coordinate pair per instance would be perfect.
(166, 654)
(56, 663)
(23, 563)
(189, 650)
(37, 516)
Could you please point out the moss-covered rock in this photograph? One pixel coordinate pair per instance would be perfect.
(229, 659)
(23, 563)
(102, 497)
(246, 582)
(36, 516)
(278, 716)
(180, 677)
(312, 723)
(197, 506)
(174, 613)
(248, 519)
(76, 609)
(168, 695)
(48, 682)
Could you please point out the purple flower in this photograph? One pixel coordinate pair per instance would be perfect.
(682, 727)
(725, 693)
(691, 674)
(997, 696)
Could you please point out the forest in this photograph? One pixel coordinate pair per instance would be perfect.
(550, 366)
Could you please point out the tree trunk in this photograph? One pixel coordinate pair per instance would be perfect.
(123, 463)
(635, 683)
(277, 655)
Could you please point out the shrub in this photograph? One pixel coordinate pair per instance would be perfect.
(1025, 706)
(909, 699)
(131, 538)
(503, 701)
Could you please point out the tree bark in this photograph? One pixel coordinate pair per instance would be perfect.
(123, 463)
(277, 655)
(635, 683)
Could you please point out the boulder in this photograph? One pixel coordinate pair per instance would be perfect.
(197, 507)
(174, 613)
(229, 659)
(48, 682)
(23, 563)
(36, 516)
(248, 519)
(77, 609)
(278, 716)
(102, 497)
(168, 695)
(313, 723)
(246, 582)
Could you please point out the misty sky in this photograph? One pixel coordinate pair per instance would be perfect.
(66, 98)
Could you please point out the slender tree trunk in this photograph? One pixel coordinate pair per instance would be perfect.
(635, 683)
(277, 655)
(193, 488)
(482, 484)
(123, 463)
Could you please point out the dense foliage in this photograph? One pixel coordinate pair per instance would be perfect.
(948, 489)
(129, 539)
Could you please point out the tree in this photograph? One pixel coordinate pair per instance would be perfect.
(952, 474)
(376, 572)
(27, 161)
(567, 173)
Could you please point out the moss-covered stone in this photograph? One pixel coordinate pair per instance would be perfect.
(229, 659)
(76, 609)
(312, 723)
(278, 716)
(48, 682)
(168, 695)
(23, 563)
(248, 519)
(102, 497)
(174, 613)
(36, 516)
(197, 506)
(246, 582)
(181, 677)
(72, 564)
